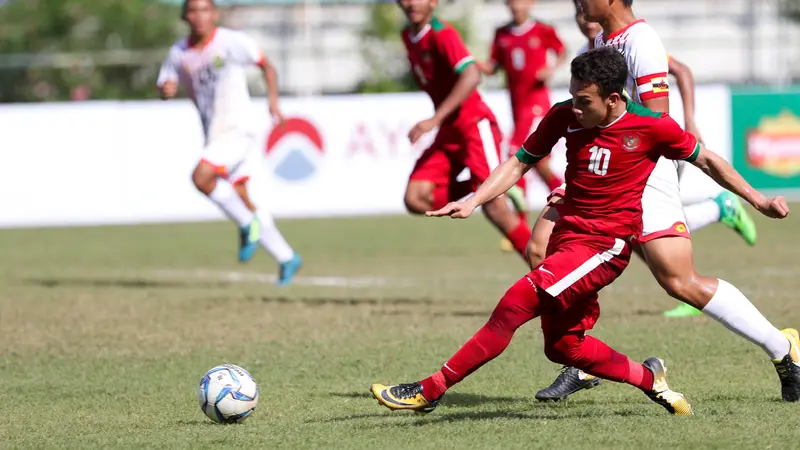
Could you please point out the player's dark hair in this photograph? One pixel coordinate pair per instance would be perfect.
(605, 67)
(627, 3)
(185, 7)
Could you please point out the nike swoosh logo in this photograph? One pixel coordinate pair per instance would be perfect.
(385, 395)
(573, 130)
(546, 271)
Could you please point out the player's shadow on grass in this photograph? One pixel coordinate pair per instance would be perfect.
(480, 314)
(451, 399)
(357, 301)
(196, 422)
(535, 413)
(128, 283)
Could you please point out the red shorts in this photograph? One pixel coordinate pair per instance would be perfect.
(476, 147)
(576, 268)
(525, 122)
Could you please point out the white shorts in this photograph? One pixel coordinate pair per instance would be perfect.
(662, 207)
(228, 154)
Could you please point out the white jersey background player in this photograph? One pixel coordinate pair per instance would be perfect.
(666, 246)
(211, 64)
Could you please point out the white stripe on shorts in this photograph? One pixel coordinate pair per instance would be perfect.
(593, 263)
(489, 146)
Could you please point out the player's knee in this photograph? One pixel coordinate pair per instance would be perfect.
(513, 310)
(415, 204)
(535, 252)
(681, 287)
(203, 181)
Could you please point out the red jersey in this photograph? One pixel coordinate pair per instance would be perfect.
(521, 51)
(608, 167)
(438, 56)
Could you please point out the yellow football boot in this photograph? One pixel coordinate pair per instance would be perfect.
(403, 396)
(788, 367)
(673, 401)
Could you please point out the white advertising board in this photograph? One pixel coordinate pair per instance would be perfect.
(130, 162)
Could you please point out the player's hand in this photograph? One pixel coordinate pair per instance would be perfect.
(169, 89)
(774, 207)
(456, 210)
(277, 117)
(692, 128)
(544, 74)
(421, 129)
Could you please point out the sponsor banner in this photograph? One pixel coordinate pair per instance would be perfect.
(131, 162)
(766, 137)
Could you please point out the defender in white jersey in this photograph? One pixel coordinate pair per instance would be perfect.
(211, 63)
(667, 247)
(724, 207)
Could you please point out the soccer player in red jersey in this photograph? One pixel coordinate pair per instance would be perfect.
(468, 135)
(521, 49)
(613, 145)
(666, 244)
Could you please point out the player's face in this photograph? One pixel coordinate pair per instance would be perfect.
(417, 11)
(201, 15)
(595, 10)
(520, 9)
(589, 29)
(589, 107)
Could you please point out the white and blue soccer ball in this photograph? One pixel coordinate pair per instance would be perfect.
(227, 394)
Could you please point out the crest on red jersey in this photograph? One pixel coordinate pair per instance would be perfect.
(426, 56)
(630, 142)
(534, 42)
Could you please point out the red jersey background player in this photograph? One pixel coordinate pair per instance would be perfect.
(468, 135)
(521, 49)
(612, 147)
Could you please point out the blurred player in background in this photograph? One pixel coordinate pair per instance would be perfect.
(521, 49)
(468, 135)
(211, 64)
(613, 145)
(665, 243)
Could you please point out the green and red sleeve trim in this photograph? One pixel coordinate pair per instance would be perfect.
(694, 155)
(527, 157)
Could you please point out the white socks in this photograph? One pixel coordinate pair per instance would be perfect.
(272, 240)
(733, 310)
(701, 214)
(226, 198)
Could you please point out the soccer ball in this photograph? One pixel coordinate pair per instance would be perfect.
(227, 394)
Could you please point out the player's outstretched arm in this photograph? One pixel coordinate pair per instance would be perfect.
(467, 82)
(726, 176)
(499, 182)
(683, 75)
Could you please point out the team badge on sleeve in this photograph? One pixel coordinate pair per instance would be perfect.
(652, 86)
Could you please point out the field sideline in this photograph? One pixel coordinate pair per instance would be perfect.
(105, 333)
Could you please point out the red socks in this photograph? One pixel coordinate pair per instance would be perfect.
(595, 357)
(519, 237)
(518, 305)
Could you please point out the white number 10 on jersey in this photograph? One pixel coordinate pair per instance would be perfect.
(598, 162)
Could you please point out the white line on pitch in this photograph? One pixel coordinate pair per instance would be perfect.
(249, 277)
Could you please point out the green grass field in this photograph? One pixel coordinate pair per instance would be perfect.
(105, 333)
